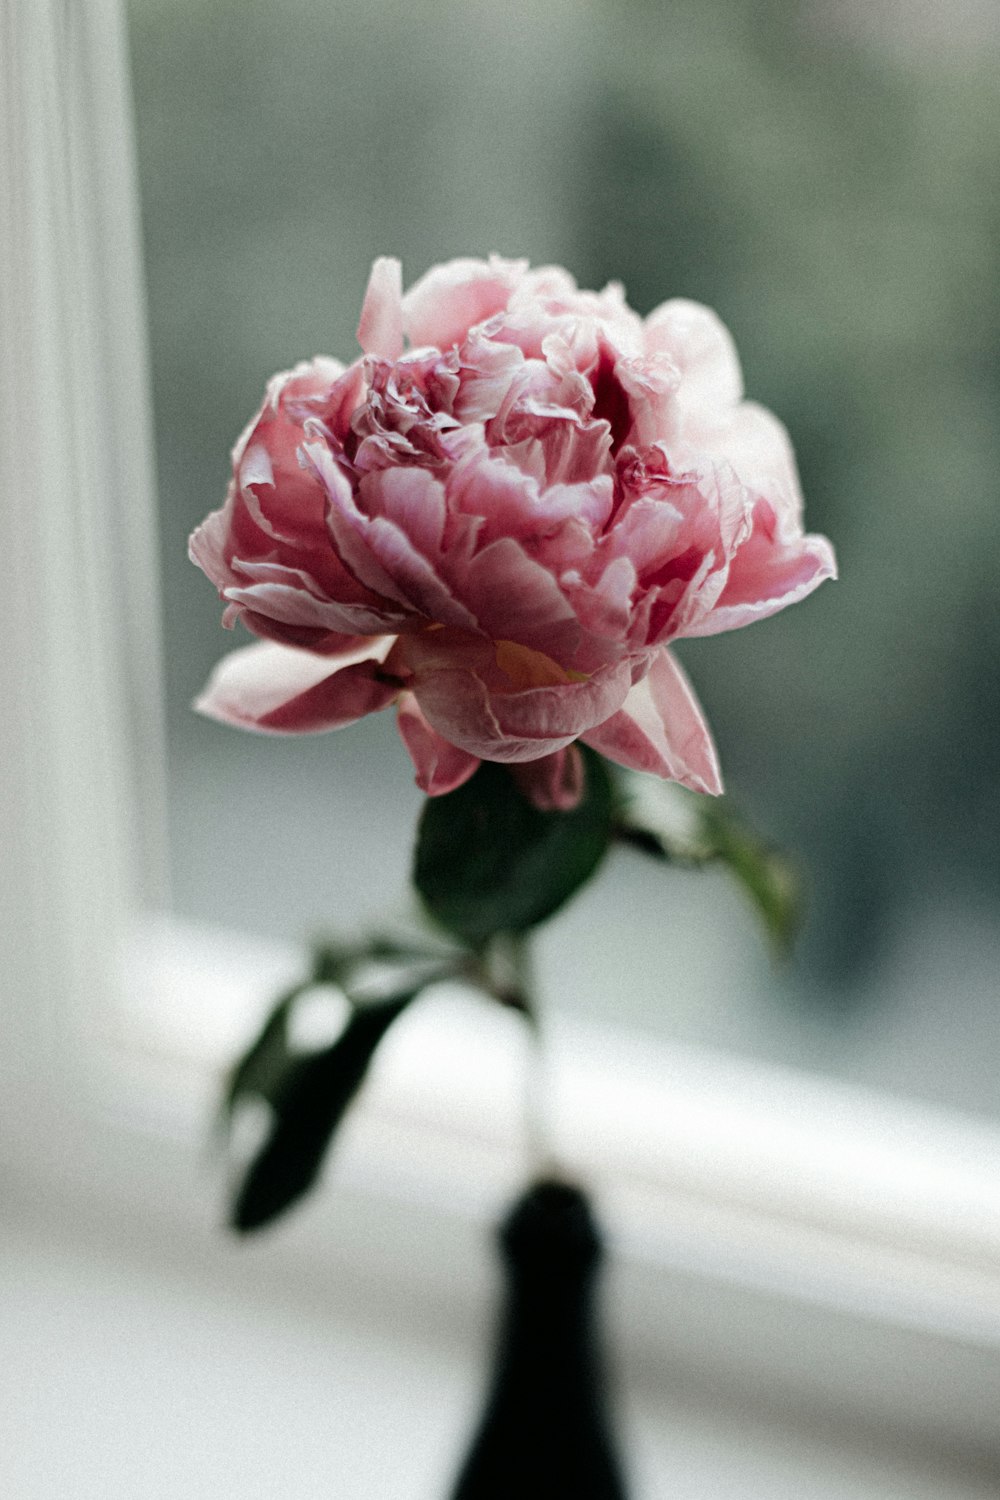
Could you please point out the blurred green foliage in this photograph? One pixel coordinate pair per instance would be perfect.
(839, 207)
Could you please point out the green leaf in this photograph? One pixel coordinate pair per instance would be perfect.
(686, 828)
(263, 1068)
(308, 1101)
(662, 819)
(765, 873)
(487, 861)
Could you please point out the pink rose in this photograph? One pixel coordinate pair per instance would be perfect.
(501, 527)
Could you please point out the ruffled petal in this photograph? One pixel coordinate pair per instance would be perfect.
(281, 690)
(207, 545)
(661, 728)
(766, 575)
(440, 765)
(378, 552)
(291, 605)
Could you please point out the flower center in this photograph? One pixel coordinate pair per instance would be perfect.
(528, 668)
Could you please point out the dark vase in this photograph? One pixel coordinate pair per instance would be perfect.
(545, 1432)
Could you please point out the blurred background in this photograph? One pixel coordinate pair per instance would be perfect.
(823, 174)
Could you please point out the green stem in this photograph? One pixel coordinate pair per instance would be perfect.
(511, 981)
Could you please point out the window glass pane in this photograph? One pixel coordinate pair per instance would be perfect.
(825, 176)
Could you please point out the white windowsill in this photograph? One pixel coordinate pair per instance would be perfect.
(829, 1251)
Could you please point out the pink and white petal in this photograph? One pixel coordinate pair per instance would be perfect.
(589, 502)
(766, 575)
(281, 690)
(516, 598)
(487, 372)
(649, 530)
(550, 285)
(345, 524)
(440, 765)
(350, 530)
(554, 783)
(380, 331)
(604, 608)
(444, 304)
(661, 728)
(506, 498)
(429, 596)
(651, 387)
(307, 387)
(286, 605)
(412, 499)
(309, 638)
(757, 447)
(282, 518)
(702, 348)
(379, 553)
(457, 704)
(284, 502)
(295, 596)
(207, 547)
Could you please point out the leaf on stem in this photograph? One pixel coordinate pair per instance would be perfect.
(488, 861)
(765, 873)
(670, 823)
(263, 1069)
(308, 1105)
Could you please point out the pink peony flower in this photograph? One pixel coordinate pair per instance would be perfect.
(500, 525)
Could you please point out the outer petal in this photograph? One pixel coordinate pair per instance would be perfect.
(758, 448)
(281, 690)
(660, 728)
(440, 765)
(766, 575)
(701, 347)
(380, 331)
(207, 544)
(289, 608)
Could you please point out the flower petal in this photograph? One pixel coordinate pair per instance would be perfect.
(758, 448)
(281, 690)
(380, 331)
(462, 697)
(440, 765)
(516, 598)
(702, 348)
(450, 299)
(290, 607)
(766, 575)
(660, 728)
